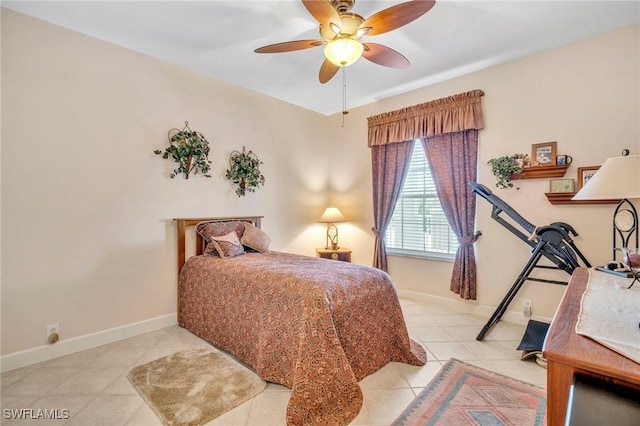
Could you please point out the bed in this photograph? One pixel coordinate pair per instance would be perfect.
(316, 326)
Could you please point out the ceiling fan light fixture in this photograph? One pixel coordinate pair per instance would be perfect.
(343, 51)
(363, 31)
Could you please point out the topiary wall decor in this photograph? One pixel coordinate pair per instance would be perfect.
(190, 149)
(244, 171)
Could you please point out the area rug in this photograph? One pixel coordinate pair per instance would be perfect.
(462, 394)
(190, 388)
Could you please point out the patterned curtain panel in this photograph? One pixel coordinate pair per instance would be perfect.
(448, 128)
(453, 158)
(390, 164)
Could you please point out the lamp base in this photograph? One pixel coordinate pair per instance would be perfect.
(332, 237)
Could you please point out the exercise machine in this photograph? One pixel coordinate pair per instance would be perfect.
(552, 242)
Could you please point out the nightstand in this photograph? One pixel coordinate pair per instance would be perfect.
(342, 253)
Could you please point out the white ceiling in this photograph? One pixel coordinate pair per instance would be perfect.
(218, 38)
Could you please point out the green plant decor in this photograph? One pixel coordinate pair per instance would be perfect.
(190, 149)
(244, 171)
(502, 168)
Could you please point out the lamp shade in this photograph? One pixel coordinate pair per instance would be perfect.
(343, 51)
(617, 178)
(332, 215)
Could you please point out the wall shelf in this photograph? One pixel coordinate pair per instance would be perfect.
(541, 172)
(565, 198)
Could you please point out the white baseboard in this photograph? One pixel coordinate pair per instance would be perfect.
(65, 347)
(76, 344)
(469, 307)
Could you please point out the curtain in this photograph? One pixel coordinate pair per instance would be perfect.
(453, 158)
(448, 128)
(390, 165)
(451, 114)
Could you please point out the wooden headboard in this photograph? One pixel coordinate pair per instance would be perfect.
(185, 222)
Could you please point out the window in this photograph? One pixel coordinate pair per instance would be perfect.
(418, 226)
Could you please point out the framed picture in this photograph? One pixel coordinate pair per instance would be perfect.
(562, 185)
(544, 154)
(586, 173)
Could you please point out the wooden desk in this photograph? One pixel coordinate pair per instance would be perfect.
(568, 353)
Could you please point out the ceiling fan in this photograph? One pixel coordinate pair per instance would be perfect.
(342, 30)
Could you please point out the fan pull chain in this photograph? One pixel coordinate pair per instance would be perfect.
(344, 94)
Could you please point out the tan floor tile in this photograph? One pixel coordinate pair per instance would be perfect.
(362, 419)
(269, 409)
(445, 350)
(125, 356)
(505, 331)
(423, 309)
(464, 333)
(144, 416)
(110, 410)
(10, 377)
(384, 405)
(41, 381)
(82, 359)
(432, 334)
(460, 320)
(143, 340)
(121, 386)
(420, 321)
(8, 402)
(489, 350)
(88, 382)
(177, 336)
(73, 404)
(388, 377)
(512, 345)
(419, 377)
(236, 417)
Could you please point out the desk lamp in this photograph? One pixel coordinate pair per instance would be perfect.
(332, 216)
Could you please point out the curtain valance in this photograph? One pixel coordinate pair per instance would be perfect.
(454, 113)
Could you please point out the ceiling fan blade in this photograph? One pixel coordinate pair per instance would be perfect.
(289, 46)
(327, 71)
(396, 16)
(323, 11)
(383, 55)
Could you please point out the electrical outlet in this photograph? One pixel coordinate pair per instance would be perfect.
(527, 307)
(53, 333)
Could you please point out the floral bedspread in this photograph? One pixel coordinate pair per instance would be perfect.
(317, 326)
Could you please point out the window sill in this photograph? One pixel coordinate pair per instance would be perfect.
(441, 257)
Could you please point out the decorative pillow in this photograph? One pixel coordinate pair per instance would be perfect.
(211, 250)
(255, 238)
(227, 245)
(208, 230)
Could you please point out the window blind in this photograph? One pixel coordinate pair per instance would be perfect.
(418, 225)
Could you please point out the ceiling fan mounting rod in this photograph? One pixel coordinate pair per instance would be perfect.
(342, 5)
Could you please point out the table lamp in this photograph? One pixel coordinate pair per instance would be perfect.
(332, 216)
(619, 179)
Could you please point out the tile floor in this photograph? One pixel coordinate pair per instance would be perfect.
(92, 384)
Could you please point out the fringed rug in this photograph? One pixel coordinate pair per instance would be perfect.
(462, 394)
(190, 388)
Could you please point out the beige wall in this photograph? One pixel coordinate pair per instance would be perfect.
(88, 241)
(87, 237)
(585, 96)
